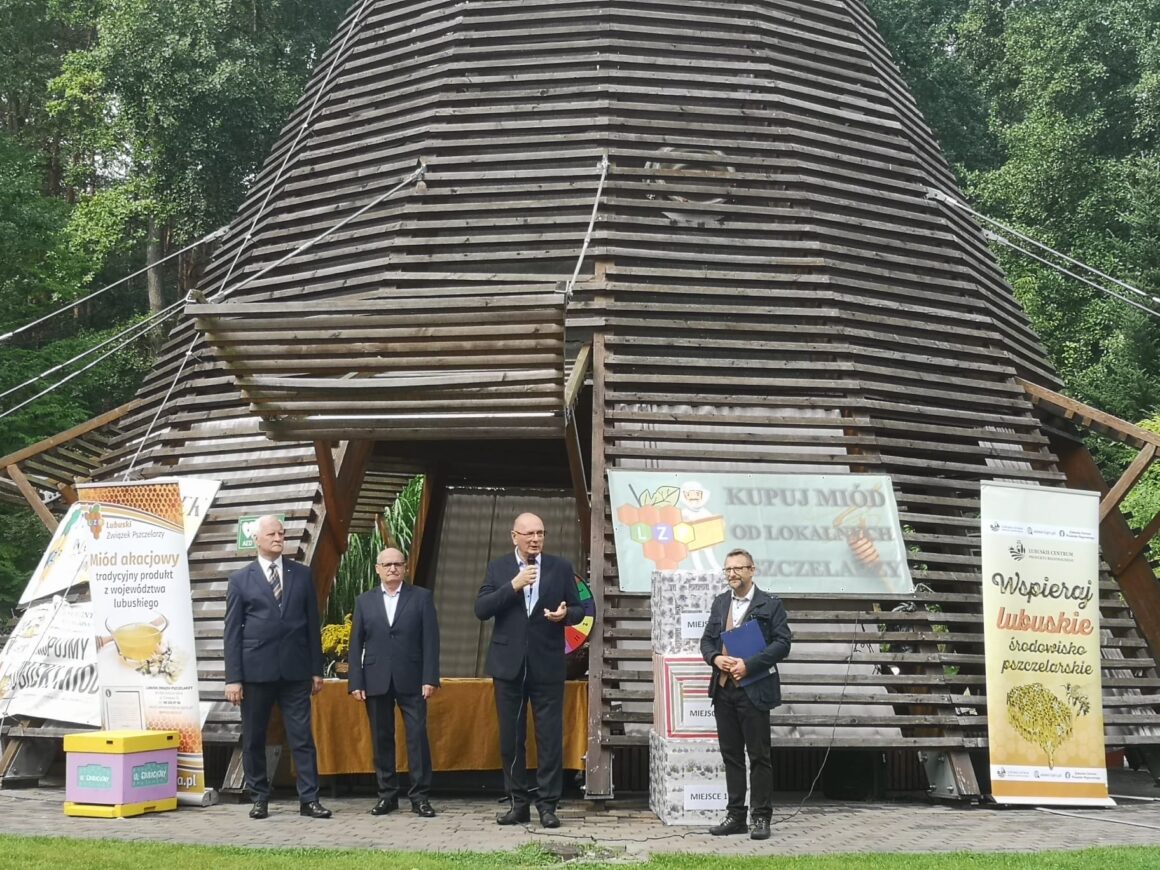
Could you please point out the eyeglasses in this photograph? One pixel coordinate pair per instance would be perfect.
(538, 534)
(740, 569)
(389, 565)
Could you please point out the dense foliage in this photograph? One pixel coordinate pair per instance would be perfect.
(129, 128)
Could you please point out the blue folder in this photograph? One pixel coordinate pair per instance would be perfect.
(744, 642)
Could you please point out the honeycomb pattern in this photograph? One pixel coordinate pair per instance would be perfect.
(188, 728)
(160, 499)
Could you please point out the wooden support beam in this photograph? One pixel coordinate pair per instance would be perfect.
(1059, 405)
(579, 478)
(598, 760)
(31, 496)
(1138, 545)
(328, 478)
(68, 435)
(418, 533)
(431, 516)
(1127, 480)
(1136, 580)
(327, 548)
(577, 377)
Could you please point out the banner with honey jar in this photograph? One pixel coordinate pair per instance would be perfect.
(143, 618)
(808, 533)
(1041, 631)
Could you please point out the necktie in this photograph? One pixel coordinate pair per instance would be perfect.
(529, 592)
(276, 582)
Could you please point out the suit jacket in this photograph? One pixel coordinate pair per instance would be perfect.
(405, 654)
(765, 693)
(518, 637)
(265, 643)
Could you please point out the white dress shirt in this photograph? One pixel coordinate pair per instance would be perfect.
(391, 601)
(532, 591)
(741, 605)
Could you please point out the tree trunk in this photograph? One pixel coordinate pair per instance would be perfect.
(153, 278)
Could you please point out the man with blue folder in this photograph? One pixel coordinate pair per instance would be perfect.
(746, 636)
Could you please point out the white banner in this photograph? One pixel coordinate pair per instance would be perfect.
(1041, 612)
(64, 564)
(49, 666)
(810, 534)
(139, 579)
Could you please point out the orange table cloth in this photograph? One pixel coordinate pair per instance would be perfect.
(461, 725)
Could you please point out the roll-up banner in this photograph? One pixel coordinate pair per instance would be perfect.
(65, 565)
(143, 618)
(1041, 610)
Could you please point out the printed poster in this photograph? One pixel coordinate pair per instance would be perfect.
(1040, 557)
(142, 614)
(809, 533)
(49, 666)
(64, 564)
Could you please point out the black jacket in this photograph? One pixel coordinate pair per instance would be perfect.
(769, 612)
(518, 637)
(405, 653)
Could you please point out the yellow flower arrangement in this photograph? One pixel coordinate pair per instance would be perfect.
(336, 642)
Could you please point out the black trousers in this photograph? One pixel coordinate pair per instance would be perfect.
(293, 698)
(381, 712)
(743, 728)
(547, 701)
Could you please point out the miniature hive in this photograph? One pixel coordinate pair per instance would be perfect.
(114, 774)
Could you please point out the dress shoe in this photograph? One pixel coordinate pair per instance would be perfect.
(731, 825)
(515, 816)
(760, 830)
(422, 808)
(385, 806)
(259, 810)
(314, 810)
(549, 819)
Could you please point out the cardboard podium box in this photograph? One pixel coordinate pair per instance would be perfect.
(114, 774)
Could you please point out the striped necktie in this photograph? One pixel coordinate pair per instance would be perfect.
(276, 582)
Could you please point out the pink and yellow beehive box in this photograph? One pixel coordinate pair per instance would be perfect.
(114, 774)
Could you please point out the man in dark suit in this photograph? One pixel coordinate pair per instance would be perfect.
(531, 596)
(273, 653)
(394, 659)
(742, 712)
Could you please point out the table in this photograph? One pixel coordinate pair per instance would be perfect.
(461, 726)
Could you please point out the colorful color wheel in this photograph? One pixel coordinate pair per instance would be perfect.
(575, 636)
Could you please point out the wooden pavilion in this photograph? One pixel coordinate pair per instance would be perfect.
(672, 234)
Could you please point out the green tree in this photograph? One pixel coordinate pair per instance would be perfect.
(1072, 87)
(127, 128)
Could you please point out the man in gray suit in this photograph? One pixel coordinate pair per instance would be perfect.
(273, 655)
(394, 659)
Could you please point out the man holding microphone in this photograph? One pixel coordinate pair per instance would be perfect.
(531, 596)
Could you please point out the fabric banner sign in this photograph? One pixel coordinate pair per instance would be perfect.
(142, 614)
(64, 564)
(1041, 611)
(49, 666)
(809, 533)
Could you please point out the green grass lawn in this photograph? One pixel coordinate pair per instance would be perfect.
(48, 853)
